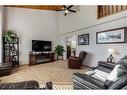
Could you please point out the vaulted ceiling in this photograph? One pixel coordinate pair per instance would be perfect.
(40, 7)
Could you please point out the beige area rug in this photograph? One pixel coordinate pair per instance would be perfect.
(57, 71)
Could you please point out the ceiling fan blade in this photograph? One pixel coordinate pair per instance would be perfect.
(72, 11)
(64, 6)
(65, 14)
(69, 7)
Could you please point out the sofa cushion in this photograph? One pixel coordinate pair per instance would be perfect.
(98, 74)
(85, 81)
(119, 83)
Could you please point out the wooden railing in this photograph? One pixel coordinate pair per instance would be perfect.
(107, 10)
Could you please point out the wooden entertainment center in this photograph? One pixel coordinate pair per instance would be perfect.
(40, 58)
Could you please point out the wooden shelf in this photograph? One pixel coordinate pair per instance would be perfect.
(11, 52)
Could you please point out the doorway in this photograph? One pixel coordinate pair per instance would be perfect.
(71, 46)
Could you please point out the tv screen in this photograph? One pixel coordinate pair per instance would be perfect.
(38, 45)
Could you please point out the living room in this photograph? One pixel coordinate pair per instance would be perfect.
(48, 25)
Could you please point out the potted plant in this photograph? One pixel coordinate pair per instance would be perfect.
(9, 36)
(59, 49)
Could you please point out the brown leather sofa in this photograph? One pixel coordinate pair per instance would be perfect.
(76, 62)
(31, 84)
(5, 69)
(101, 76)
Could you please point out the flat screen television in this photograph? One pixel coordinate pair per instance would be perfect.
(40, 45)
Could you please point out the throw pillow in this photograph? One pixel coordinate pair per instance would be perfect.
(114, 74)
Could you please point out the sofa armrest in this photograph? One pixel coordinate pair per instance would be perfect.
(20, 85)
(73, 57)
(86, 82)
(106, 64)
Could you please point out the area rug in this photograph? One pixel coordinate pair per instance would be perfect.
(57, 71)
(59, 85)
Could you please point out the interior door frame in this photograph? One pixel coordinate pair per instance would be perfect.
(66, 39)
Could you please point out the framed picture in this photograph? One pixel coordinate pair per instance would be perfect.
(83, 39)
(112, 36)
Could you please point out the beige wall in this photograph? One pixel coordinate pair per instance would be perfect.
(31, 24)
(85, 21)
(35, 24)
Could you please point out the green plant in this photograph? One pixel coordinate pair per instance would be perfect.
(9, 36)
(59, 49)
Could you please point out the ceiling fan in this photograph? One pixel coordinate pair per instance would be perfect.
(67, 9)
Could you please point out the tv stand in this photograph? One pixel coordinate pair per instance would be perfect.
(40, 58)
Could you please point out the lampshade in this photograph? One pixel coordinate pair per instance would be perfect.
(111, 51)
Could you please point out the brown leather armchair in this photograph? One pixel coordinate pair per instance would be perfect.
(76, 62)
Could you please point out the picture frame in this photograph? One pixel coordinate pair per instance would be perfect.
(83, 39)
(112, 36)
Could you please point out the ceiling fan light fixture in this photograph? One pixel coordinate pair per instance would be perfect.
(66, 11)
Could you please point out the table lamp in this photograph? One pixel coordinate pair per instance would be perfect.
(111, 52)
